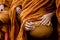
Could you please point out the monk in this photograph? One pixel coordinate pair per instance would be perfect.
(32, 10)
(58, 17)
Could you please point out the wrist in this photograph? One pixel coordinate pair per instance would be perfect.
(52, 14)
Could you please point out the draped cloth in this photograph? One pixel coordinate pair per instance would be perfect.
(6, 2)
(2, 1)
(58, 10)
(58, 17)
(32, 10)
(4, 17)
(4, 20)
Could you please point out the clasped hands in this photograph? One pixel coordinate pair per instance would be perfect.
(45, 19)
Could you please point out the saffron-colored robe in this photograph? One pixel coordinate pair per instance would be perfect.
(4, 17)
(10, 29)
(58, 10)
(58, 17)
(32, 10)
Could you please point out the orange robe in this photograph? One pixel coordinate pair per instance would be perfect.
(58, 10)
(32, 10)
(4, 18)
(58, 17)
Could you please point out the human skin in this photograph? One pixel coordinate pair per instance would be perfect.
(1, 8)
(44, 20)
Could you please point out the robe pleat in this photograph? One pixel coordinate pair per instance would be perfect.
(32, 10)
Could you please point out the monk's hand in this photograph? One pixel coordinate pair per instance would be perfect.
(1, 7)
(46, 19)
(29, 26)
(18, 10)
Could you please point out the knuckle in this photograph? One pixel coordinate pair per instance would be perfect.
(26, 28)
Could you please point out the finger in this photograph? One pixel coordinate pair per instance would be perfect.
(29, 23)
(46, 22)
(49, 23)
(42, 17)
(18, 9)
(30, 27)
(42, 20)
(27, 29)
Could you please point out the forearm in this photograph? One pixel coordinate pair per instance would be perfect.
(52, 13)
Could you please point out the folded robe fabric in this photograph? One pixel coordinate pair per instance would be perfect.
(6, 2)
(32, 10)
(58, 10)
(4, 17)
(2, 1)
(4, 22)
